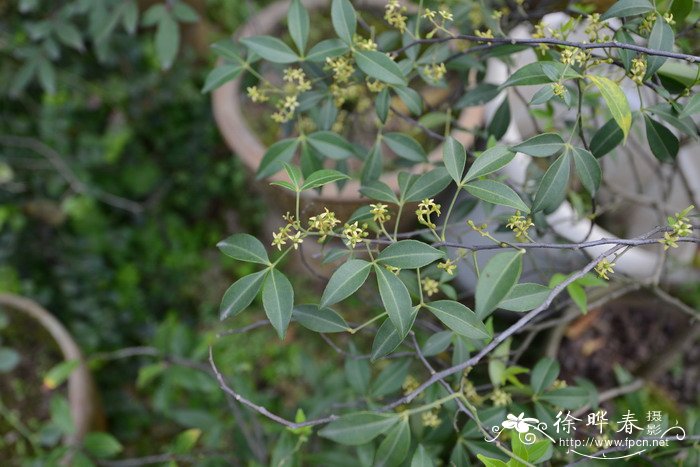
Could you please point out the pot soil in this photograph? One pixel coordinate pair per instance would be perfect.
(228, 105)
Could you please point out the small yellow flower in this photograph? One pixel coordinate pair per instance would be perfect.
(435, 72)
(279, 239)
(392, 269)
(638, 70)
(380, 212)
(519, 225)
(446, 14)
(364, 44)
(354, 234)
(500, 398)
(256, 95)
(430, 286)
(558, 89)
(429, 14)
(425, 209)
(342, 68)
(297, 78)
(296, 240)
(448, 265)
(604, 267)
(668, 17)
(484, 34)
(375, 85)
(430, 419)
(410, 384)
(559, 384)
(324, 223)
(394, 15)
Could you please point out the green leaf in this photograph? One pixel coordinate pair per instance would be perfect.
(625, 8)
(271, 49)
(241, 294)
(344, 20)
(102, 445)
(228, 50)
(455, 158)
(69, 35)
(661, 38)
(606, 138)
(500, 121)
(318, 319)
(421, 458)
(386, 340)
(382, 103)
(53, 378)
(546, 144)
(409, 254)
(544, 374)
(552, 189)
(540, 73)
(345, 281)
(379, 66)
(616, 102)
(568, 398)
(663, 143)
(186, 441)
(496, 281)
(692, 107)
(578, 295)
(411, 98)
(394, 448)
(391, 378)
(325, 49)
(294, 174)
(680, 9)
(275, 157)
(379, 191)
(405, 147)
(525, 297)
(372, 168)
(490, 461)
(330, 144)
(244, 247)
(221, 75)
(495, 192)
(396, 300)
(278, 301)
(459, 318)
(437, 343)
(358, 428)
(479, 95)
(167, 41)
(298, 24)
(544, 94)
(491, 160)
(588, 170)
(323, 177)
(358, 373)
(427, 185)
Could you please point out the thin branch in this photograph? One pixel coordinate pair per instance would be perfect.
(550, 41)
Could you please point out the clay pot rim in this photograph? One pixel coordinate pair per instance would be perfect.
(227, 106)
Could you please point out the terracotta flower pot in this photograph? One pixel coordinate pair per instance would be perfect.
(229, 107)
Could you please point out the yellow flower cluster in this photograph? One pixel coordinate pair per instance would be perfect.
(448, 265)
(285, 109)
(287, 233)
(410, 384)
(593, 28)
(647, 23)
(481, 229)
(435, 71)
(257, 95)
(354, 234)
(374, 85)
(430, 286)
(571, 55)
(341, 94)
(324, 223)
(638, 70)
(668, 17)
(558, 89)
(681, 228)
(364, 44)
(394, 14)
(425, 209)
(519, 225)
(484, 34)
(430, 419)
(297, 80)
(500, 398)
(380, 212)
(604, 267)
(342, 68)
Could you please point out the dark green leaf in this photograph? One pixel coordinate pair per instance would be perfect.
(411, 98)
(496, 281)
(394, 448)
(330, 144)
(278, 301)
(500, 121)
(241, 294)
(437, 343)
(244, 247)
(386, 340)
(421, 458)
(319, 319)
(489, 161)
(540, 73)
(379, 191)
(345, 281)
(270, 48)
(298, 24)
(344, 20)
(552, 189)
(606, 138)
(495, 192)
(275, 157)
(220, 75)
(543, 145)
(625, 8)
(455, 158)
(663, 143)
(102, 445)
(167, 41)
(544, 374)
(358, 428)
(396, 300)
(661, 38)
(588, 170)
(429, 184)
(379, 66)
(525, 297)
(405, 147)
(459, 318)
(323, 177)
(391, 378)
(409, 254)
(382, 104)
(325, 49)
(479, 95)
(568, 398)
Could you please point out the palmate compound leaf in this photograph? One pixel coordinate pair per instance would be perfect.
(358, 428)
